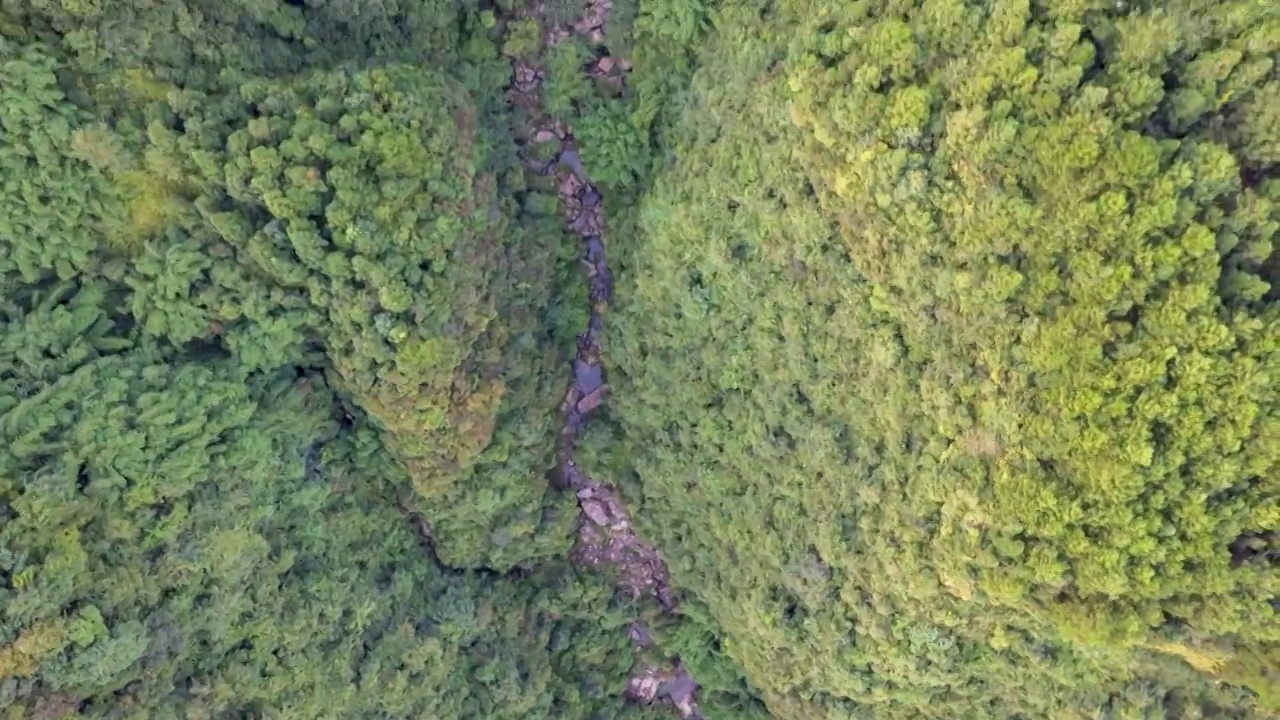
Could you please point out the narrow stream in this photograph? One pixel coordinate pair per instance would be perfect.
(605, 539)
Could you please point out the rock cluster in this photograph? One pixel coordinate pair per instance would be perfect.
(671, 684)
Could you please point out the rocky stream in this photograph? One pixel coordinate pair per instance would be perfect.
(606, 539)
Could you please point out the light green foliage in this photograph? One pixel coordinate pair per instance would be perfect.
(612, 144)
(679, 22)
(523, 40)
(1123, 409)
(50, 202)
(565, 84)
(930, 369)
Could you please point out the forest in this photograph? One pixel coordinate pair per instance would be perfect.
(639, 359)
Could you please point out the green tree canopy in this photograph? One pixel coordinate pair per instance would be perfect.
(968, 316)
(362, 209)
(941, 368)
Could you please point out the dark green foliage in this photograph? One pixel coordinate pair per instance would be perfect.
(183, 543)
(308, 214)
(361, 217)
(197, 40)
(242, 320)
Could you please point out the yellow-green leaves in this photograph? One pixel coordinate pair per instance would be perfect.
(1007, 195)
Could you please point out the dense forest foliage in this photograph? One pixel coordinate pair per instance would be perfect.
(942, 365)
(968, 308)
